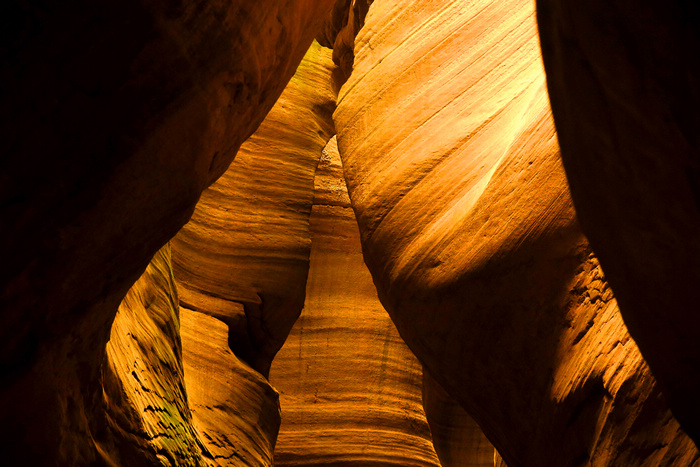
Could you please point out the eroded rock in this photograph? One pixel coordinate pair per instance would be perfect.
(458, 439)
(244, 256)
(115, 117)
(467, 226)
(623, 80)
(350, 389)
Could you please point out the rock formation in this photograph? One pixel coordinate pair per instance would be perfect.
(115, 116)
(467, 227)
(244, 256)
(241, 265)
(149, 421)
(623, 79)
(457, 438)
(349, 387)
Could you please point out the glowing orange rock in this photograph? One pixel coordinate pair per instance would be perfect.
(350, 389)
(467, 226)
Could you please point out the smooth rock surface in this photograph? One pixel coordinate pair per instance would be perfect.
(235, 410)
(624, 80)
(467, 226)
(148, 416)
(457, 438)
(115, 116)
(244, 256)
(350, 389)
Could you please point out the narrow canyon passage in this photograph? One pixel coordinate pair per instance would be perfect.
(349, 233)
(350, 389)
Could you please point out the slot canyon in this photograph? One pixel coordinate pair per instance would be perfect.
(435, 233)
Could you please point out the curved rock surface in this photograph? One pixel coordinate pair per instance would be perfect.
(472, 240)
(624, 84)
(244, 256)
(148, 417)
(115, 116)
(457, 438)
(234, 409)
(349, 387)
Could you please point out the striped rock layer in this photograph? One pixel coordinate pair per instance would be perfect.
(467, 226)
(350, 389)
(115, 117)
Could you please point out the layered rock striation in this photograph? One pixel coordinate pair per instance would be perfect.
(148, 420)
(350, 389)
(244, 256)
(457, 438)
(623, 80)
(472, 240)
(115, 117)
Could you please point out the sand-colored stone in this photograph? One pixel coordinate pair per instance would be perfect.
(148, 416)
(624, 83)
(467, 226)
(235, 410)
(244, 256)
(350, 389)
(457, 438)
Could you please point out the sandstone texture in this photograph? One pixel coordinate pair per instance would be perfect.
(624, 84)
(457, 438)
(454, 312)
(148, 421)
(350, 389)
(115, 117)
(235, 410)
(244, 256)
(453, 170)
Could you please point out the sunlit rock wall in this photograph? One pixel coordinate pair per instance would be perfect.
(148, 416)
(350, 389)
(244, 256)
(235, 411)
(241, 265)
(453, 170)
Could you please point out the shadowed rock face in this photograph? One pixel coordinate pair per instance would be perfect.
(467, 226)
(458, 439)
(624, 81)
(115, 117)
(349, 387)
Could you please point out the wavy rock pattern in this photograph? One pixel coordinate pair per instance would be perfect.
(349, 386)
(234, 409)
(244, 256)
(457, 438)
(623, 79)
(120, 114)
(144, 385)
(472, 240)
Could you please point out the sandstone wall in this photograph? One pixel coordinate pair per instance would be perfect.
(115, 116)
(623, 80)
(467, 226)
(349, 387)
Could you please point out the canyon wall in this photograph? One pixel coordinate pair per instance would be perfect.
(350, 389)
(115, 117)
(467, 226)
(623, 79)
